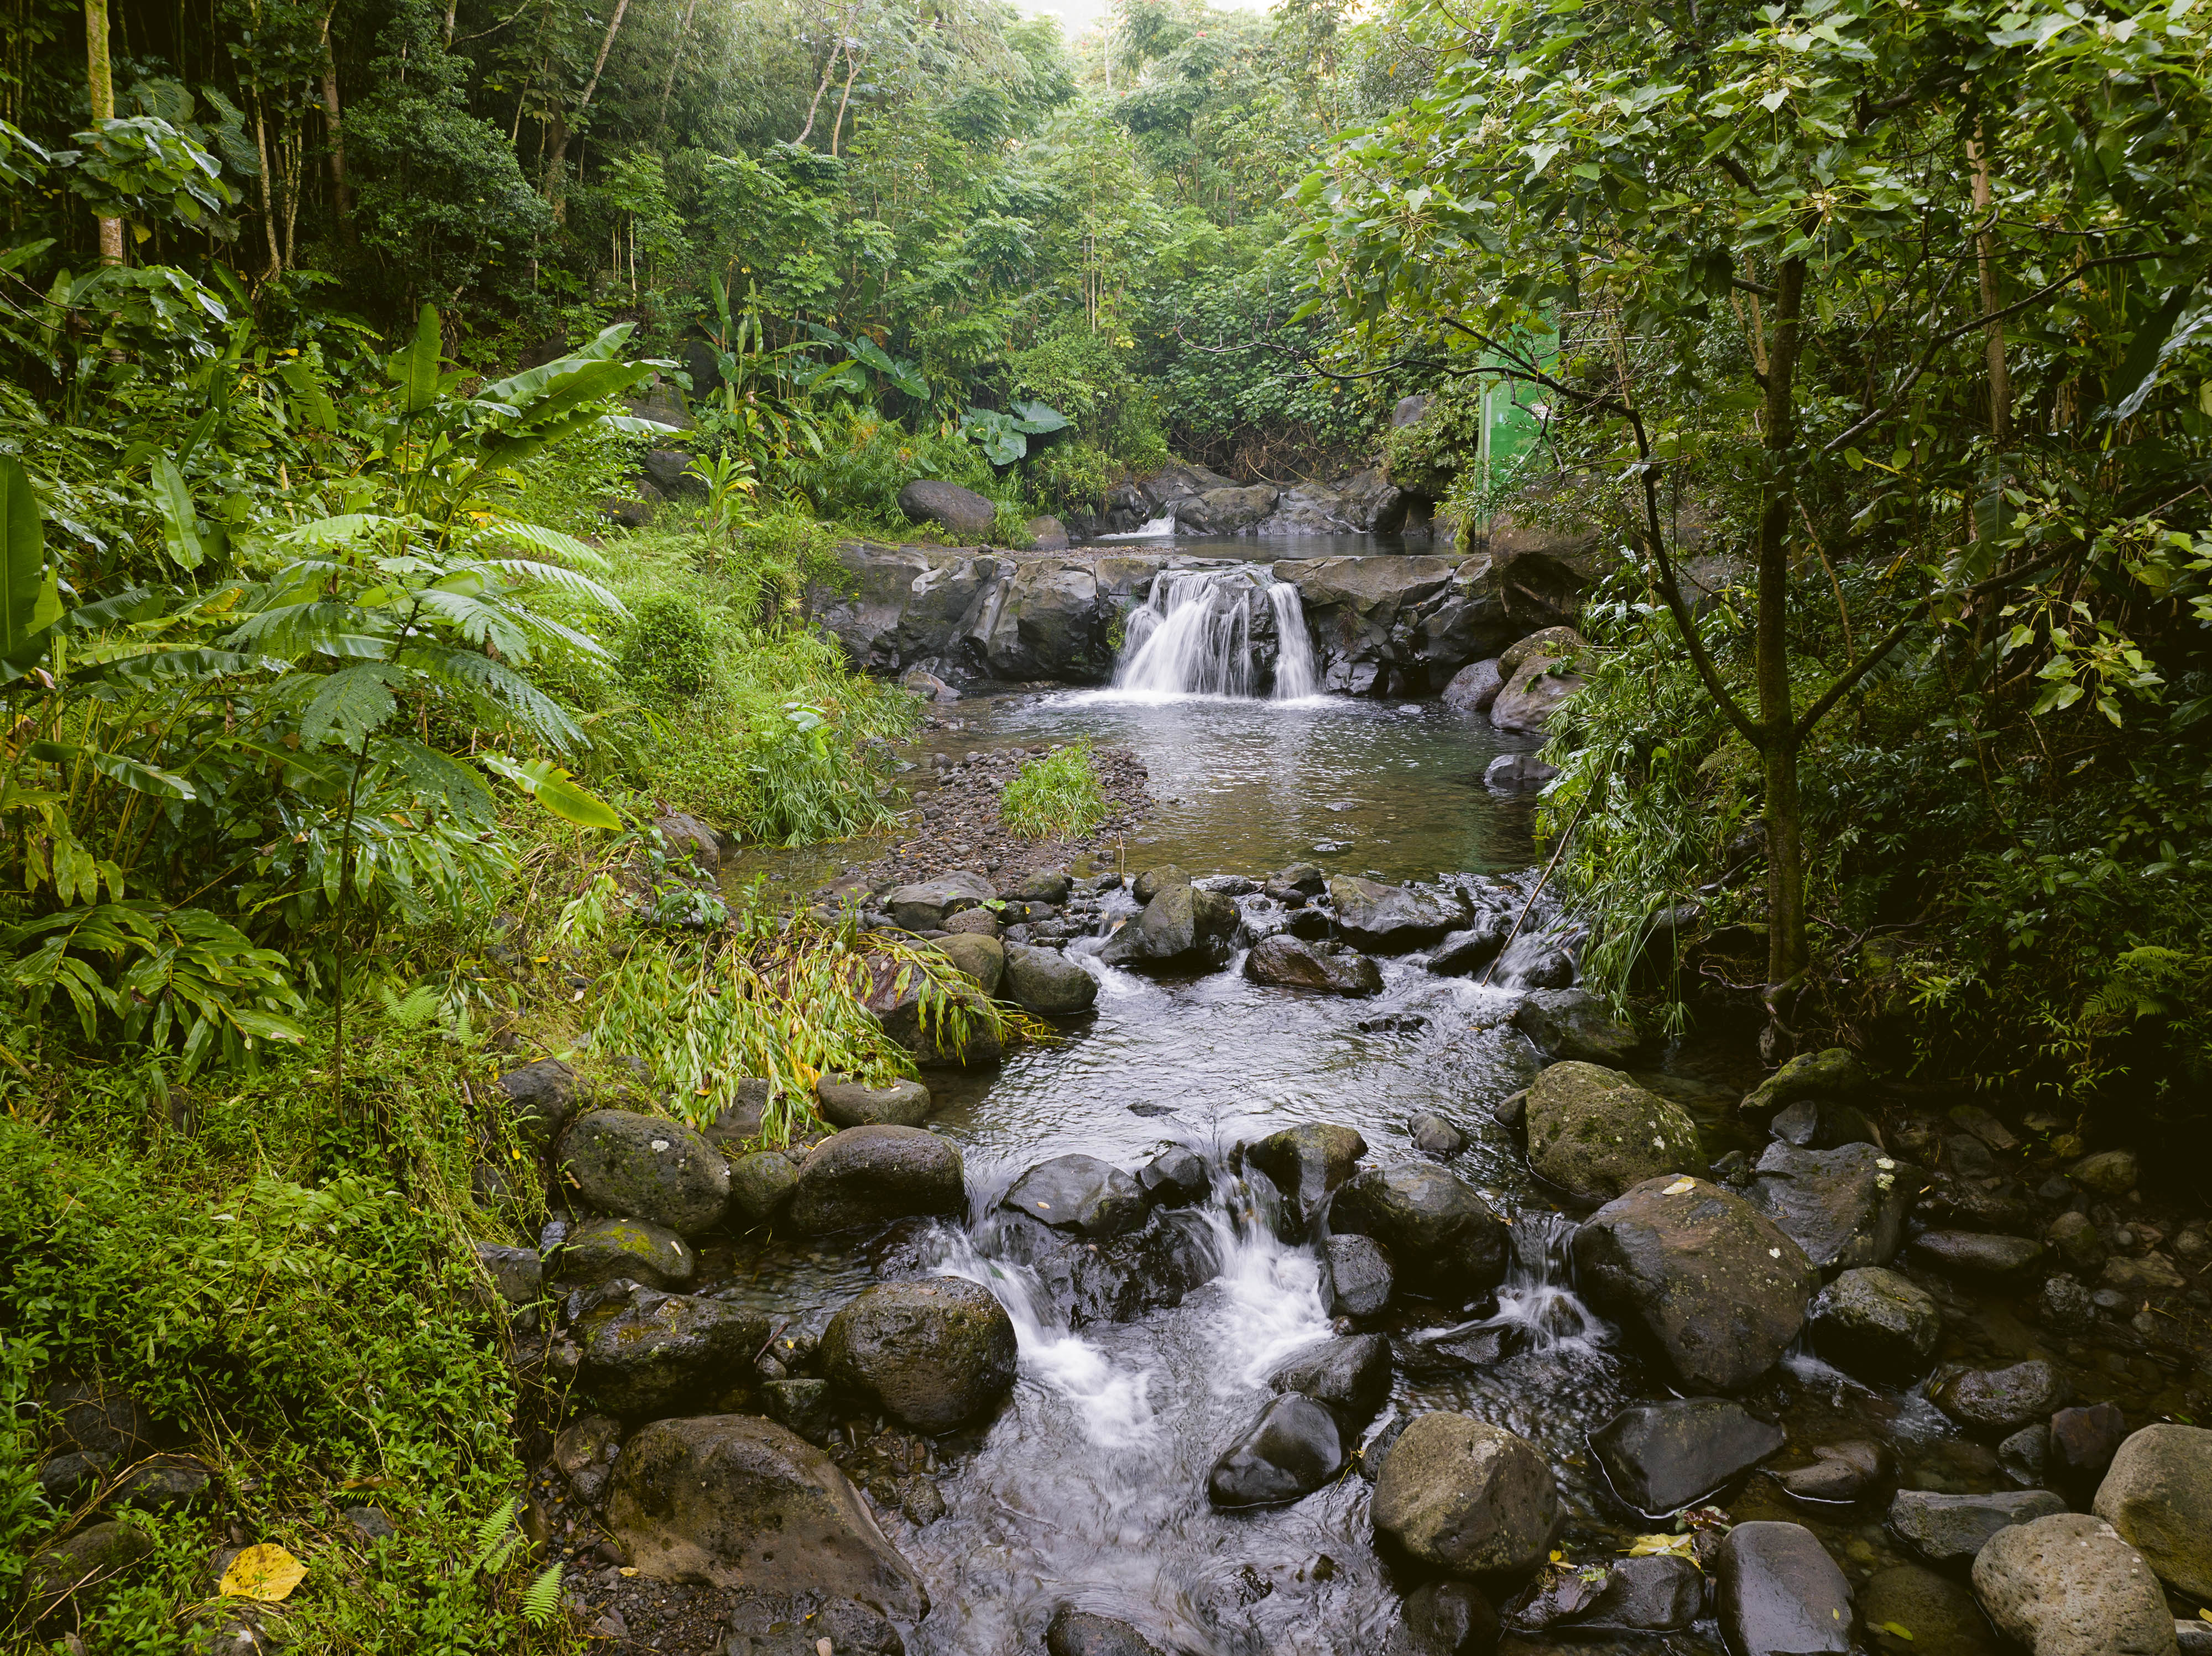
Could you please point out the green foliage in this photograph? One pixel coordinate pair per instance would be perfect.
(1073, 477)
(864, 464)
(668, 651)
(1056, 795)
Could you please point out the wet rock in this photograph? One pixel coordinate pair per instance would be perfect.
(1306, 1163)
(983, 960)
(1124, 1276)
(540, 1097)
(1434, 1136)
(1780, 1594)
(1517, 773)
(1294, 1448)
(962, 512)
(1834, 1073)
(1073, 1632)
(1291, 963)
(1045, 982)
(1663, 1456)
(1357, 1280)
(2026, 1455)
(735, 1500)
(75, 1567)
(1876, 1324)
(804, 1406)
(2158, 1496)
(2109, 1173)
(649, 1353)
(1176, 1177)
(1595, 1132)
(1968, 1253)
(1474, 686)
(761, 1184)
(1574, 1024)
(924, 905)
(1042, 885)
(1911, 1611)
(2000, 1400)
(1182, 926)
(1443, 1238)
(1304, 877)
(1839, 1472)
(647, 1166)
(1224, 511)
(1466, 1497)
(1393, 919)
(585, 1452)
(601, 1250)
(1656, 1595)
(1845, 1207)
(1079, 1194)
(2074, 1237)
(1350, 1377)
(1512, 1114)
(933, 1354)
(1950, 1529)
(1153, 881)
(1823, 1123)
(866, 1175)
(1713, 1282)
(845, 1102)
(2083, 1443)
(1464, 952)
(2068, 1586)
(1445, 1618)
(1956, 1204)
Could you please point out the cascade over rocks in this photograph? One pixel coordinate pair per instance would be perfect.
(1349, 1376)
(1466, 1497)
(1306, 1163)
(933, 1354)
(866, 1175)
(1442, 1236)
(1117, 1279)
(1079, 1194)
(1595, 1132)
(1663, 1456)
(647, 1166)
(1291, 963)
(1182, 926)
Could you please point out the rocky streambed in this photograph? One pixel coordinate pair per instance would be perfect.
(1333, 1285)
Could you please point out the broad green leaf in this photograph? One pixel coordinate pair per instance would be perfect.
(415, 368)
(23, 584)
(555, 789)
(117, 767)
(180, 518)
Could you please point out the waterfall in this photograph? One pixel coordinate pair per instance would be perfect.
(1154, 529)
(1198, 634)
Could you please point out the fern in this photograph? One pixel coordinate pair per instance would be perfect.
(414, 1008)
(542, 1602)
(496, 1538)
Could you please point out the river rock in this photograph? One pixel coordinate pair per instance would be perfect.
(1393, 919)
(982, 959)
(1713, 1282)
(1517, 773)
(761, 1184)
(2109, 1172)
(647, 1166)
(1046, 981)
(1114, 1280)
(1822, 1124)
(1908, 1610)
(1294, 1448)
(1573, 1023)
(1434, 1136)
(1656, 1595)
(1176, 1177)
(80, 1562)
(924, 905)
(2158, 1496)
(1834, 1072)
(1466, 1497)
(1224, 511)
(1474, 686)
(1845, 1207)
(737, 1501)
(932, 1354)
(540, 1097)
(1443, 1238)
(2152, 1274)
(2068, 1586)
(1073, 1632)
(1969, 1254)
(2079, 1448)
(1350, 1376)
(1306, 1163)
(2000, 1400)
(601, 1250)
(2074, 1236)
(961, 511)
(1950, 1529)
(1304, 878)
(1291, 963)
(867, 1175)
(1181, 926)
(1594, 1132)
(1532, 693)
(1445, 1618)
(1780, 1594)
(845, 1102)
(649, 1353)
(1663, 1456)
(1079, 1194)
(1840, 1471)
(1876, 1324)
(1462, 951)
(1356, 1276)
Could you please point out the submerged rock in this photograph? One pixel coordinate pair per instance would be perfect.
(1663, 1456)
(1393, 919)
(2158, 1496)
(1935, 1613)
(1466, 1497)
(1969, 1254)
(866, 1175)
(1291, 963)
(1294, 1448)
(845, 1102)
(1876, 1324)
(933, 1354)
(2068, 1586)
(1780, 1594)
(1595, 1132)
(647, 1166)
(1445, 1618)
(1656, 1595)
(1951, 1529)
(1079, 1194)
(1442, 1236)
(1073, 1632)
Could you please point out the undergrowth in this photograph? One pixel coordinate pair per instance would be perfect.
(1057, 794)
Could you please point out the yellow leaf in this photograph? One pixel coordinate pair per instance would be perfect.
(1897, 1627)
(1679, 1186)
(265, 1572)
(1672, 1546)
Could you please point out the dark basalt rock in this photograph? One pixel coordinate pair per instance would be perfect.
(1445, 1618)
(1181, 926)
(1844, 1207)
(1595, 1132)
(1823, 1123)
(1288, 962)
(761, 1184)
(1350, 1377)
(1572, 1025)
(1443, 1237)
(1176, 1177)
(1467, 950)
(1044, 980)
(1951, 1529)
(1466, 1497)
(1294, 1448)
(1663, 1456)
(1656, 1595)
(603, 1250)
(962, 512)
(1392, 919)
(866, 1175)
(648, 1353)
(1073, 1632)
(1876, 1324)
(647, 1166)
(1079, 1194)
(933, 1354)
(1357, 1279)
(540, 1097)
(1306, 1163)
(1968, 1253)
(1996, 1401)
(848, 1103)
(924, 905)
(1780, 1594)
(1116, 1279)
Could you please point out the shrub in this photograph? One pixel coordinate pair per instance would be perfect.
(1057, 794)
(857, 478)
(669, 650)
(1073, 477)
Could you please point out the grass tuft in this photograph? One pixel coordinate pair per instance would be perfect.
(1057, 794)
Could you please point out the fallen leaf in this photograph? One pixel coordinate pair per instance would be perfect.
(1679, 1187)
(1671, 1546)
(1897, 1627)
(265, 1572)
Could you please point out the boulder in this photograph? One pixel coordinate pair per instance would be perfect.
(1046, 981)
(1441, 1237)
(1780, 1594)
(1876, 1324)
(516, 1275)
(734, 1500)
(1042, 885)
(1517, 773)
(1176, 1177)
(1574, 1024)
(601, 1250)
(867, 1175)
(1714, 1284)
(1594, 1132)
(1050, 621)
(932, 1354)
(983, 958)
(761, 1184)
(78, 1564)
(1153, 881)
(2109, 1172)
(2158, 1496)
(845, 1102)
(1291, 963)
(1908, 1610)
(1998, 1401)
(1822, 1124)
(1393, 919)
(1434, 1136)
(1951, 1529)
(1474, 686)
(962, 512)
(1304, 878)
(1545, 644)
(1294, 1448)
(1073, 1632)
(1845, 1207)
(647, 1166)
(1466, 1497)
(1224, 511)
(1835, 1072)
(1663, 1456)
(1969, 1254)
(649, 1353)
(1079, 1194)
(2068, 1586)
(668, 471)
(540, 1097)
(1654, 1594)
(1349, 1376)
(1306, 1163)
(1445, 1618)
(1462, 951)
(924, 905)
(1085, 1281)
(585, 1452)
(2082, 1446)
(1047, 534)
(1182, 926)
(1356, 1278)
(1533, 692)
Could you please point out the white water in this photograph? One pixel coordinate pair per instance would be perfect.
(1193, 636)
(1155, 529)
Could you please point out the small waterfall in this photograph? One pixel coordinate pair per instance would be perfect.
(1154, 529)
(1199, 634)
(1538, 1309)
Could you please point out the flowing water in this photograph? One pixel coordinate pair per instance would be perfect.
(1235, 632)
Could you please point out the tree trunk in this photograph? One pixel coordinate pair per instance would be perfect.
(1786, 867)
(852, 74)
(99, 81)
(828, 69)
(1978, 153)
(341, 192)
(556, 165)
(675, 57)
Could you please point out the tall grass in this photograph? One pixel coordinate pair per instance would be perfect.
(1057, 794)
